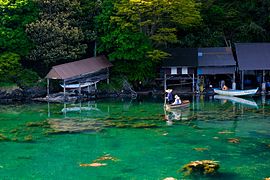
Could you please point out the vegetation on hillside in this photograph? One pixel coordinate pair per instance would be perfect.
(134, 34)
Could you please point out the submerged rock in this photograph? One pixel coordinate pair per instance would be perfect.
(203, 167)
(93, 165)
(200, 149)
(170, 178)
(234, 140)
(73, 126)
(105, 158)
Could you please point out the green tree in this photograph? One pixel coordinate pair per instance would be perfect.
(56, 35)
(9, 66)
(227, 21)
(14, 15)
(133, 31)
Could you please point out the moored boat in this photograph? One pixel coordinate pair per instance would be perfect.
(236, 92)
(74, 86)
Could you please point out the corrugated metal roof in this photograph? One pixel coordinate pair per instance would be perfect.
(181, 57)
(215, 56)
(78, 68)
(253, 56)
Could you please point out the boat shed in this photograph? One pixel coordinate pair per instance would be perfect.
(87, 71)
(216, 60)
(180, 66)
(253, 57)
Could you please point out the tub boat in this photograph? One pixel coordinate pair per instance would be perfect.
(184, 104)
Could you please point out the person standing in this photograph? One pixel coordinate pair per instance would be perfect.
(169, 96)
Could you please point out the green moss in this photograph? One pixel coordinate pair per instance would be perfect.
(3, 137)
(28, 138)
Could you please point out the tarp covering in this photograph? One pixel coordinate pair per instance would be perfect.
(216, 56)
(180, 57)
(216, 60)
(78, 68)
(253, 56)
(216, 70)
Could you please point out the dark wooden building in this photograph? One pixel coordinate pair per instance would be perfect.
(180, 67)
(216, 61)
(253, 60)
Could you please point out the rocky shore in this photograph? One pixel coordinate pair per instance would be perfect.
(17, 94)
(14, 94)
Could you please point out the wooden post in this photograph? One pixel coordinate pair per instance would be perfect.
(95, 49)
(49, 111)
(263, 83)
(80, 107)
(242, 79)
(108, 76)
(197, 84)
(65, 109)
(165, 82)
(95, 86)
(193, 83)
(64, 88)
(80, 88)
(234, 84)
(48, 87)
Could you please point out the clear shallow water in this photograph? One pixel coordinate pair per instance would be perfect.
(138, 134)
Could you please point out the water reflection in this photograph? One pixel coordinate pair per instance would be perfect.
(177, 114)
(248, 102)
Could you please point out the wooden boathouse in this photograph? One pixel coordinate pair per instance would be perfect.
(253, 60)
(83, 72)
(215, 61)
(179, 68)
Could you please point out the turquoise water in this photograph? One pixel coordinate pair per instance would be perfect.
(47, 141)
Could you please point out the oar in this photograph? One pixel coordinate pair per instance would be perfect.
(164, 100)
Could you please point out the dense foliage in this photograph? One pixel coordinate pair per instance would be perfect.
(56, 34)
(226, 22)
(134, 34)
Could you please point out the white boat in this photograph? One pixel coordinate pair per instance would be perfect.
(73, 86)
(237, 100)
(236, 92)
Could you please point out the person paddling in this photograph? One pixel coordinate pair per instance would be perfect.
(169, 96)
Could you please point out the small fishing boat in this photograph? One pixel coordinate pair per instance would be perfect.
(236, 92)
(184, 104)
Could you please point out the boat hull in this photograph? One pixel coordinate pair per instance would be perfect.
(185, 104)
(236, 92)
(75, 86)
